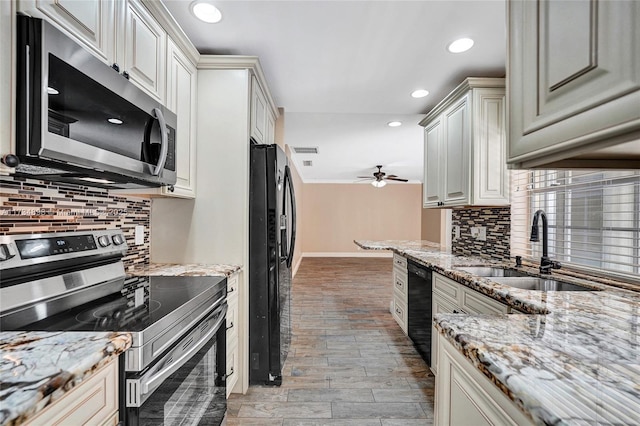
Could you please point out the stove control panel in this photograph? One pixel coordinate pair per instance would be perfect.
(22, 250)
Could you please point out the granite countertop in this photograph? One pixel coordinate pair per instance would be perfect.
(576, 360)
(38, 368)
(185, 269)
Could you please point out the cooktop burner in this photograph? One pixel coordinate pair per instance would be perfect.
(157, 298)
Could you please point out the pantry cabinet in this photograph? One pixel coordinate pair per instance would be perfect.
(465, 147)
(574, 90)
(463, 394)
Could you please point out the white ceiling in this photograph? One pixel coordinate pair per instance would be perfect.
(343, 69)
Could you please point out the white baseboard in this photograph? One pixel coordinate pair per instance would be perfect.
(294, 271)
(369, 253)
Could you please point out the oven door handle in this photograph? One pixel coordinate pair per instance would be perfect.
(153, 382)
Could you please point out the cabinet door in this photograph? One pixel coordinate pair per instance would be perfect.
(144, 50)
(439, 306)
(92, 23)
(490, 174)
(270, 128)
(456, 149)
(572, 88)
(258, 113)
(432, 164)
(181, 99)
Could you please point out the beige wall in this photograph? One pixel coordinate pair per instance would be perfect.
(333, 215)
(432, 222)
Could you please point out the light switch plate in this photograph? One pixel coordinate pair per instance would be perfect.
(139, 235)
(482, 233)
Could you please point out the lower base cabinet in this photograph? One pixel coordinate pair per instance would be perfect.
(465, 397)
(232, 332)
(93, 402)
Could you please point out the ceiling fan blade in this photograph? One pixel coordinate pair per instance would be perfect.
(398, 179)
(392, 176)
(365, 177)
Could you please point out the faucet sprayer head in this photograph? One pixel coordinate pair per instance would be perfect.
(535, 237)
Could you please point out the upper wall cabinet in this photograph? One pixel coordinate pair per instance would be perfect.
(465, 143)
(574, 90)
(144, 50)
(117, 32)
(92, 23)
(259, 114)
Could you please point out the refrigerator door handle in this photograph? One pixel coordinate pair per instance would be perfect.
(289, 182)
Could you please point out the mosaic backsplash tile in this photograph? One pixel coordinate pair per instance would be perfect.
(31, 206)
(497, 220)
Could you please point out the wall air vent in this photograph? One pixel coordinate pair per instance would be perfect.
(305, 149)
(307, 163)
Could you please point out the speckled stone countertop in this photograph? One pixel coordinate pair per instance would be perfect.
(185, 269)
(577, 361)
(38, 368)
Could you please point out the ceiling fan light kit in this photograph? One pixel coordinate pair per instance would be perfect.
(380, 178)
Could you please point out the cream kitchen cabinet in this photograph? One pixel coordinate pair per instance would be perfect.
(464, 396)
(232, 331)
(117, 32)
(400, 300)
(259, 114)
(574, 90)
(92, 23)
(454, 298)
(93, 402)
(465, 143)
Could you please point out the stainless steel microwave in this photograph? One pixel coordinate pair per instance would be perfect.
(80, 120)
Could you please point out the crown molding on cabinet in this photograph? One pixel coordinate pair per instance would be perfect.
(467, 84)
(234, 62)
(169, 24)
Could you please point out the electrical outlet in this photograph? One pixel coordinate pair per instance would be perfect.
(139, 235)
(139, 296)
(456, 232)
(482, 233)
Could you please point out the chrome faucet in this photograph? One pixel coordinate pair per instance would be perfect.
(546, 264)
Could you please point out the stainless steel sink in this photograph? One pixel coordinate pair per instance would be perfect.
(488, 271)
(518, 279)
(540, 284)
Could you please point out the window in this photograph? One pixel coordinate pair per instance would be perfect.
(593, 216)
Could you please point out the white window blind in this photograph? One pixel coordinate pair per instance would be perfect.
(593, 216)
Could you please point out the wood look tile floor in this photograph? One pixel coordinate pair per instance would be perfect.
(350, 363)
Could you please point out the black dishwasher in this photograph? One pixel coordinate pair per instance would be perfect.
(419, 298)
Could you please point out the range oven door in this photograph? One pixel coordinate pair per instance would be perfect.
(187, 383)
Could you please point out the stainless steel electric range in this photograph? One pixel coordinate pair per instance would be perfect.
(175, 368)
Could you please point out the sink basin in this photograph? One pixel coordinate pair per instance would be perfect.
(488, 271)
(540, 284)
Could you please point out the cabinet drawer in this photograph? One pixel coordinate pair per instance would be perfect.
(399, 262)
(473, 302)
(446, 288)
(400, 313)
(400, 284)
(232, 285)
(232, 319)
(91, 403)
(232, 365)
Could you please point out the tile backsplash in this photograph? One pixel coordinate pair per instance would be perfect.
(496, 220)
(31, 206)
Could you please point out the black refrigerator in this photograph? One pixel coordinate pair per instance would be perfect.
(272, 234)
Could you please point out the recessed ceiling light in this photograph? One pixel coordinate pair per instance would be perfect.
(420, 93)
(206, 12)
(52, 91)
(460, 45)
(394, 123)
(114, 120)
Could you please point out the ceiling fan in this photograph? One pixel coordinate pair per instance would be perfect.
(380, 177)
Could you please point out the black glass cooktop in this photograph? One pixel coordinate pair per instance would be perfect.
(157, 297)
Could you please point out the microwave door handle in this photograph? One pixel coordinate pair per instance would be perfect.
(164, 147)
